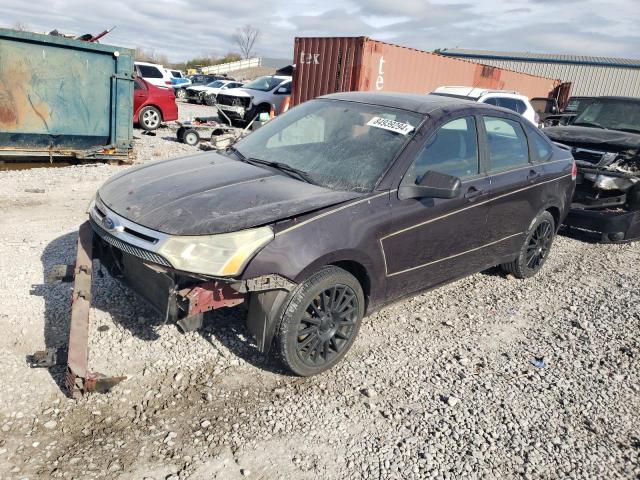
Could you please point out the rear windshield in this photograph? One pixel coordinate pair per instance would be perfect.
(147, 71)
(340, 145)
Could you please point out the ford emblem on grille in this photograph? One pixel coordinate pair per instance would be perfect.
(111, 225)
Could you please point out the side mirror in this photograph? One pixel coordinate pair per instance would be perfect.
(432, 185)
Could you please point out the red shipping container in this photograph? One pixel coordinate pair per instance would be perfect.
(343, 64)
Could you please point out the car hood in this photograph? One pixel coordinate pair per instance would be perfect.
(596, 138)
(238, 92)
(210, 193)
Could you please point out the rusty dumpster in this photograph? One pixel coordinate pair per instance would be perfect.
(64, 98)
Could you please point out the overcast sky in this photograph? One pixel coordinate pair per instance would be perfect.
(182, 29)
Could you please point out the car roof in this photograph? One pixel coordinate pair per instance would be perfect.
(474, 92)
(613, 97)
(412, 102)
(149, 64)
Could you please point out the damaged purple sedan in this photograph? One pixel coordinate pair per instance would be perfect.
(328, 212)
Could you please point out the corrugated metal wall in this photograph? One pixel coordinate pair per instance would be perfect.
(342, 64)
(587, 80)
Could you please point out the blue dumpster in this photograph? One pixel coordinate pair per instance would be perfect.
(64, 98)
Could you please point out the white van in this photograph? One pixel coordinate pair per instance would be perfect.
(500, 98)
(154, 74)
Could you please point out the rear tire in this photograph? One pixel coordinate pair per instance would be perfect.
(181, 93)
(149, 118)
(320, 322)
(535, 248)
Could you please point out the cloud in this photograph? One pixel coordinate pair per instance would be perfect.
(183, 29)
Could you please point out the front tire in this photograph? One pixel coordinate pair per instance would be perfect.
(535, 248)
(321, 322)
(149, 118)
(181, 93)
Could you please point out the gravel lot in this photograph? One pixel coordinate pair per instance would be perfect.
(438, 386)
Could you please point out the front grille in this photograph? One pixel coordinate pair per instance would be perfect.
(233, 100)
(594, 157)
(126, 247)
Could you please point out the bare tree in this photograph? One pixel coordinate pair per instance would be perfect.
(22, 27)
(246, 38)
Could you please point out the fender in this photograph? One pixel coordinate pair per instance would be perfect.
(266, 308)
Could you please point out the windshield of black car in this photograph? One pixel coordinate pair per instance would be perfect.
(611, 114)
(264, 84)
(340, 145)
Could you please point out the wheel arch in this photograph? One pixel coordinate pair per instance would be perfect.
(555, 213)
(356, 263)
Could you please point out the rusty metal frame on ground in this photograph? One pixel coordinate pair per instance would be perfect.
(79, 379)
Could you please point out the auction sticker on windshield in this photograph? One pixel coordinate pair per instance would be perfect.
(391, 125)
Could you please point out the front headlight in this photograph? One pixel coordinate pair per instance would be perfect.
(221, 255)
(606, 182)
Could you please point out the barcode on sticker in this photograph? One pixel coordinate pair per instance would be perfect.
(391, 125)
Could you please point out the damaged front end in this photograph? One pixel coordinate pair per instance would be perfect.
(607, 195)
(179, 297)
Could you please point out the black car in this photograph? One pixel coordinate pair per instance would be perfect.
(332, 210)
(605, 141)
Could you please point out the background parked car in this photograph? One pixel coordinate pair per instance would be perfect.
(202, 79)
(154, 74)
(575, 106)
(180, 86)
(500, 98)
(605, 141)
(207, 93)
(152, 105)
(256, 97)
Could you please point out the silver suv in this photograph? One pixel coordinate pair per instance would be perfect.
(255, 97)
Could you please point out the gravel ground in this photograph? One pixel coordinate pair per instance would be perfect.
(438, 386)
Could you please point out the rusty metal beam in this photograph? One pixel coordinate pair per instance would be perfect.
(80, 379)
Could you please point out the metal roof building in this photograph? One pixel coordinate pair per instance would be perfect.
(590, 76)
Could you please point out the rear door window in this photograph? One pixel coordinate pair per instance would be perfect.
(541, 147)
(506, 143)
(453, 150)
(147, 71)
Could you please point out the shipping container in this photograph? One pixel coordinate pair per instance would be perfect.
(342, 64)
(61, 97)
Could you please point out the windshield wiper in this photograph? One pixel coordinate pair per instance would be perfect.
(589, 124)
(629, 130)
(239, 154)
(288, 169)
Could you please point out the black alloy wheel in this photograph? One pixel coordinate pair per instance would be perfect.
(320, 321)
(327, 325)
(539, 245)
(535, 248)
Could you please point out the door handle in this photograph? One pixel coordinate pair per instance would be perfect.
(533, 174)
(472, 193)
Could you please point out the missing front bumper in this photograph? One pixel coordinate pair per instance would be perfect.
(177, 296)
